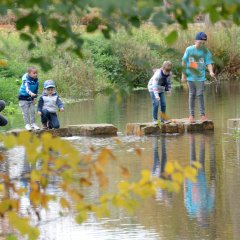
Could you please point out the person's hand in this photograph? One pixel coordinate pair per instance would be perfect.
(39, 113)
(32, 94)
(169, 93)
(61, 109)
(183, 79)
(212, 74)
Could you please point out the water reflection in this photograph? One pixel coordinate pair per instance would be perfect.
(159, 164)
(199, 197)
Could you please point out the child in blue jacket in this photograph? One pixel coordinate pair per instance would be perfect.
(48, 104)
(27, 97)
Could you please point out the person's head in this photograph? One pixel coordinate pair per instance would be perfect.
(167, 67)
(200, 39)
(32, 72)
(49, 87)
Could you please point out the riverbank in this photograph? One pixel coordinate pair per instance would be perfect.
(123, 62)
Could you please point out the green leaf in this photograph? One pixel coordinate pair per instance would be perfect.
(135, 21)
(171, 37)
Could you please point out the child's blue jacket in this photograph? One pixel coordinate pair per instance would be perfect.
(28, 85)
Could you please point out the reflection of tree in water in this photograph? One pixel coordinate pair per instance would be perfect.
(159, 164)
(199, 197)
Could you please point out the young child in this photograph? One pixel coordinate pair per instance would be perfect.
(48, 104)
(27, 97)
(157, 85)
(195, 60)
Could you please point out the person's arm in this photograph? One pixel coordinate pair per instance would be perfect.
(40, 105)
(184, 65)
(209, 63)
(155, 79)
(60, 104)
(184, 78)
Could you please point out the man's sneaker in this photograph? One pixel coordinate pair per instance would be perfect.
(28, 127)
(35, 126)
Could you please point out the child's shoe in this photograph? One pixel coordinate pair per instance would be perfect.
(203, 118)
(44, 126)
(191, 119)
(28, 127)
(35, 126)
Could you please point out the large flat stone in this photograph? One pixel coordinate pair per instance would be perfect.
(176, 126)
(77, 130)
(143, 129)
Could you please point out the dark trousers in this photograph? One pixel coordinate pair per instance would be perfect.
(50, 119)
(3, 120)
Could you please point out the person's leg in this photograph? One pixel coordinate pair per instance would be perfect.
(54, 120)
(32, 112)
(3, 120)
(25, 111)
(162, 102)
(192, 96)
(155, 104)
(200, 91)
(45, 117)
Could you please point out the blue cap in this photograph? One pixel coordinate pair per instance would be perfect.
(201, 36)
(49, 83)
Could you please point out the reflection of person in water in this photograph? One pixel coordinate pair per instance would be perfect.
(159, 166)
(199, 196)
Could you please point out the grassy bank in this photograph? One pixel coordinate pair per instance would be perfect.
(124, 61)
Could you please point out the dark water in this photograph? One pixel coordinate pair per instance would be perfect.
(207, 209)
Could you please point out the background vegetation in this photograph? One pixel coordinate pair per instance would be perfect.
(124, 61)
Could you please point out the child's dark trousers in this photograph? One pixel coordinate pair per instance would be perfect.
(50, 119)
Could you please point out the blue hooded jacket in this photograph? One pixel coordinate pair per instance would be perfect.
(29, 84)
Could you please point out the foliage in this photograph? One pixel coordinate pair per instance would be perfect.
(51, 15)
(53, 158)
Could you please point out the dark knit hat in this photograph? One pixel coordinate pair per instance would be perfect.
(201, 36)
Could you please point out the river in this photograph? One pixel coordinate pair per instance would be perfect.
(207, 209)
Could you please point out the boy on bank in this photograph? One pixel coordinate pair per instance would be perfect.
(157, 85)
(48, 104)
(27, 97)
(195, 60)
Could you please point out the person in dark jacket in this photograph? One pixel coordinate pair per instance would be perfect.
(3, 120)
(48, 104)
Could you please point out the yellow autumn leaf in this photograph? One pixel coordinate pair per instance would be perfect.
(9, 141)
(85, 182)
(190, 172)
(178, 177)
(196, 164)
(169, 168)
(81, 217)
(123, 186)
(125, 172)
(146, 175)
(103, 180)
(64, 203)
(23, 138)
(101, 210)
